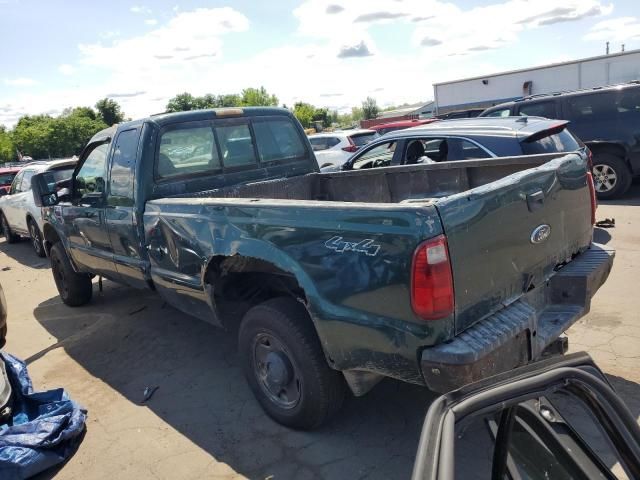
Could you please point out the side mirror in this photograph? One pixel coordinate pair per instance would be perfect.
(43, 186)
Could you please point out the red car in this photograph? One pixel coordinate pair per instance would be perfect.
(400, 125)
(6, 177)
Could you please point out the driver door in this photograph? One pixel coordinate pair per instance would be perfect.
(84, 217)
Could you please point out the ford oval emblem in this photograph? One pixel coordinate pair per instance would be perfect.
(540, 233)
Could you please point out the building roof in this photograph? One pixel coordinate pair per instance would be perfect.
(408, 110)
(541, 67)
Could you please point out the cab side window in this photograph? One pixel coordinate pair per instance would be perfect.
(540, 109)
(499, 113)
(90, 179)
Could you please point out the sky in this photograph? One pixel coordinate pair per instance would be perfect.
(332, 53)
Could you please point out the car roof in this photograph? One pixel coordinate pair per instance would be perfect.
(44, 165)
(514, 127)
(402, 123)
(343, 133)
(567, 93)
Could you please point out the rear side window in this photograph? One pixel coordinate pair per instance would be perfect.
(461, 149)
(277, 140)
(562, 141)
(593, 107)
(540, 109)
(236, 145)
(186, 150)
(499, 113)
(26, 181)
(323, 143)
(363, 138)
(629, 101)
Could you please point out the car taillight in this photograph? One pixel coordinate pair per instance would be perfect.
(592, 193)
(589, 158)
(431, 280)
(350, 148)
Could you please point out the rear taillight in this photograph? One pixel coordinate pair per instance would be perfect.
(350, 148)
(431, 280)
(589, 158)
(592, 193)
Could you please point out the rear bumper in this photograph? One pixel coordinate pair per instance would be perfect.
(520, 332)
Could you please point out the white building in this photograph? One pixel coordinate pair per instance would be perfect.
(490, 90)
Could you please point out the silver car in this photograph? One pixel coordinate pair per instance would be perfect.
(19, 215)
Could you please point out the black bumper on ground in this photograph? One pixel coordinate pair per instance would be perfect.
(520, 332)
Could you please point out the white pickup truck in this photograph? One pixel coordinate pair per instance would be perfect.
(19, 215)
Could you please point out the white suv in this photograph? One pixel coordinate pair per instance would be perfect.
(335, 148)
(19, 215)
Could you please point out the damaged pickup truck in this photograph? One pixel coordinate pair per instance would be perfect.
(438, 274)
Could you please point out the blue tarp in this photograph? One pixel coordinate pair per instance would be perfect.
(44, 430)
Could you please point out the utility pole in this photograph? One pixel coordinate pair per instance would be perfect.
(607, 48)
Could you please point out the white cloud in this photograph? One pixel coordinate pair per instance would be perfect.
(151, 21)
(620, 29)
(20, 82)
(140, 9)
(66, 69)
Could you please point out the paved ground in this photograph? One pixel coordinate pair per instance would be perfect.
(203, 422)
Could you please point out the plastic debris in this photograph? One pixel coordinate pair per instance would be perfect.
(44, 429)
(606, 223)
(148, 393)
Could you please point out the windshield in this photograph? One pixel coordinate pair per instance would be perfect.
(7, 178)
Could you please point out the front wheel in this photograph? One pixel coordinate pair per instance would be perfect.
(285, 366)
(75, 288)
(611, 176)
(36, 238)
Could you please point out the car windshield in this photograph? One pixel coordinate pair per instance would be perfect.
(6, 178)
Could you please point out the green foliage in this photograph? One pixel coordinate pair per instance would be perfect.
(258, 97)
(249, 97)
(370, 108)
(109, 111)
(357, 114)
(7, 148)
(43, 136)
(304, 112)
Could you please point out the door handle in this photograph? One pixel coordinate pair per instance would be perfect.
(160, 251)
(535, 200)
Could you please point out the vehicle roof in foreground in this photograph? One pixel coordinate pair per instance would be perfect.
(510, 127)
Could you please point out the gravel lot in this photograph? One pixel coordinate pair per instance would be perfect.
(203, 422)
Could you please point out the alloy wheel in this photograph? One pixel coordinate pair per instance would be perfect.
(604, 178)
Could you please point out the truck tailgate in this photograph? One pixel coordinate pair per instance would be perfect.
(509, 236)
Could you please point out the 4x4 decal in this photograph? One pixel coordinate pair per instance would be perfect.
(365, 246)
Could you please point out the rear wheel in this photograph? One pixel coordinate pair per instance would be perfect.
(9, 236)
(285, 366)
(611, 176)
(36, 238)
(75, 288)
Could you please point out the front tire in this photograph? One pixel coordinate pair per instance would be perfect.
(75, 289)
(36, 238)
(9, 236)
(611, 176)
(285, 365)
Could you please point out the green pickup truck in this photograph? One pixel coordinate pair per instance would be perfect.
(437, 274)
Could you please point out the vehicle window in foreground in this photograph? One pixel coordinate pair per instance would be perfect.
(185, 151)
(90, 178)
(360, 139)
(277, 140)
(461, 149)
(540, 109)
(7, 178)
(378, 156)
(124, 158)
(560, 142)
(236, 145)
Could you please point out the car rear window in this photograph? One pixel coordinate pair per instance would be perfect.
(323, 143)
(277, 140)
(360, 139)
(593, 107)
(562, 141)
(185, 150)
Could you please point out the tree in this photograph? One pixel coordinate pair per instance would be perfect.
(357, 114)
(181, 103)
(109, 111)
(7, 148)
(304, 112)
(370, 108)
(258, 97)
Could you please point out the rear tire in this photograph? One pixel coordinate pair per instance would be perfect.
(611, 176)
(75, 289)
(285, 365)
(36, 238)
(9, 236)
